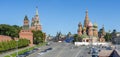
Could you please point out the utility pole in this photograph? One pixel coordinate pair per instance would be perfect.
(17, 46)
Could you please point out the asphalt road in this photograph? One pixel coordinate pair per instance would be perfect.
(62, 50)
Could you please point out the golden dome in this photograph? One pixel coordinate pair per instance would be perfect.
(84, 28)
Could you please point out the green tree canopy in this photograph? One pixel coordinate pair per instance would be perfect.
(9, 30)
(108, 37)
(76, 37)
(38, 37)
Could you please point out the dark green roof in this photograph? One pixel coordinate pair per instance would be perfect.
(26, 18)
(26, 27)
(84, 36)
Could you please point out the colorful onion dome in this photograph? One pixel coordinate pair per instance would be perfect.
(90, 24)
(95, 25)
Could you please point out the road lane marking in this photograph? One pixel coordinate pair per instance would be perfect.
(77, 53)
(42, 48)
(61, 51)
(54, 48)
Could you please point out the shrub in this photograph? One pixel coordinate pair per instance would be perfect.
(12, 44)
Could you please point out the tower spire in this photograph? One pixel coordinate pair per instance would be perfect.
(36, 10)
(86, 21)
(86, 17)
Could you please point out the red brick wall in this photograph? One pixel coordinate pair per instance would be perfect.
(5, 38)
(27, 34)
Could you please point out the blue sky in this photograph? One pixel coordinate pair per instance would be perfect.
(62, 15)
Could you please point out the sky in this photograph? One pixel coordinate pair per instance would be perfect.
(62, 15)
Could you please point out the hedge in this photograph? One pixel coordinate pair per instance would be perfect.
(12, 44)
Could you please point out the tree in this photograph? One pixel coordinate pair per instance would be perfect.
(76, 37)
(12, 44)
(18, 28)
(38, 37)
(108, 37)
(8, 30)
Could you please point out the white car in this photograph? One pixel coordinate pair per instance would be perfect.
(59, 41)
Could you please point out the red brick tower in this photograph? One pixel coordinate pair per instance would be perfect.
(35, 25)
(26, 32)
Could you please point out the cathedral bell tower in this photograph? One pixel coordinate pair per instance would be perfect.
(26, 23)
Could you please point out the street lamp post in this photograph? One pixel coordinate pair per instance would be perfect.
(28, 44)
(116, 42)
(91, 41)
(90, 37)
(17, 46)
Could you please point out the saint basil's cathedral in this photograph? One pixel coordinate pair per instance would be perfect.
(89, 31)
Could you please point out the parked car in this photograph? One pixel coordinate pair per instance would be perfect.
(44, 51)
(41, 53)
(108, 48)
(35, 49)
(30, 52)
(21, 55)
(49, 49)
(26, 53)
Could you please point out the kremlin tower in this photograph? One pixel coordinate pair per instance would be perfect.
(26, 31)
(35, 25)
(26, 23)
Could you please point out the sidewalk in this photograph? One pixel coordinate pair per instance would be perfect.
(12, 51)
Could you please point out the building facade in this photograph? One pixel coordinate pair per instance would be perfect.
(35, 24)
(89, 30)
(116, 38)
(26, 31)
